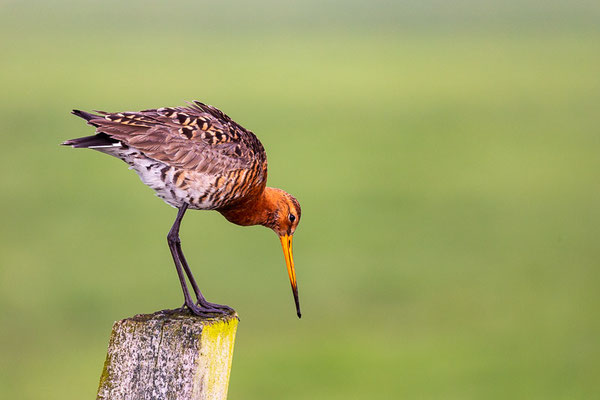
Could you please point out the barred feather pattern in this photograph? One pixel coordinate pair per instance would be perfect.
(195, 155)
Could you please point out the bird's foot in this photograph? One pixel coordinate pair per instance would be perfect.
(206, 309)
(221, 308)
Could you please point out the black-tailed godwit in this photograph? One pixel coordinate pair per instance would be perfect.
(198, 158)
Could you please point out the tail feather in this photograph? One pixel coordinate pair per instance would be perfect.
(100, 140)
(94, 141)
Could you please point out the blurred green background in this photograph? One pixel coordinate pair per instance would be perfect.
(446, 156)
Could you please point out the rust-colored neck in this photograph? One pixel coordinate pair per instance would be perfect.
(260, 209)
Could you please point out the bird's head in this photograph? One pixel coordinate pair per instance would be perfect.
(276, 210)
(283, 219)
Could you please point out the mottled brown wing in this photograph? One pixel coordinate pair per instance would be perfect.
(198, 137)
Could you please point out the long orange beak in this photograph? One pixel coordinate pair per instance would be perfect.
(286, 244)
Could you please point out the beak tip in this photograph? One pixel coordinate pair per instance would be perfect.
(299, 314)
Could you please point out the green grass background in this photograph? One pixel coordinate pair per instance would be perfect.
(446, 156)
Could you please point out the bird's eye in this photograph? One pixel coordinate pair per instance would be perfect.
(292, 217)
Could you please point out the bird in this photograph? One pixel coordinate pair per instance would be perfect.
(196, 157)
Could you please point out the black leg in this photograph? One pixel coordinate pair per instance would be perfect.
(180, 261)
(213, 307)
(172, 239)
(188, 271)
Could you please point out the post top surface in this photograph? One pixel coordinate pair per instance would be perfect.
(180, 314)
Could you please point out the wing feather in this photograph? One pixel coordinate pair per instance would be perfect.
(199, 137)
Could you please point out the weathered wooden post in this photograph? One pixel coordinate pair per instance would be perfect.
(170, 354)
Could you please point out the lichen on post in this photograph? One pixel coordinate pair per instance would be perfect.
(170, 354)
